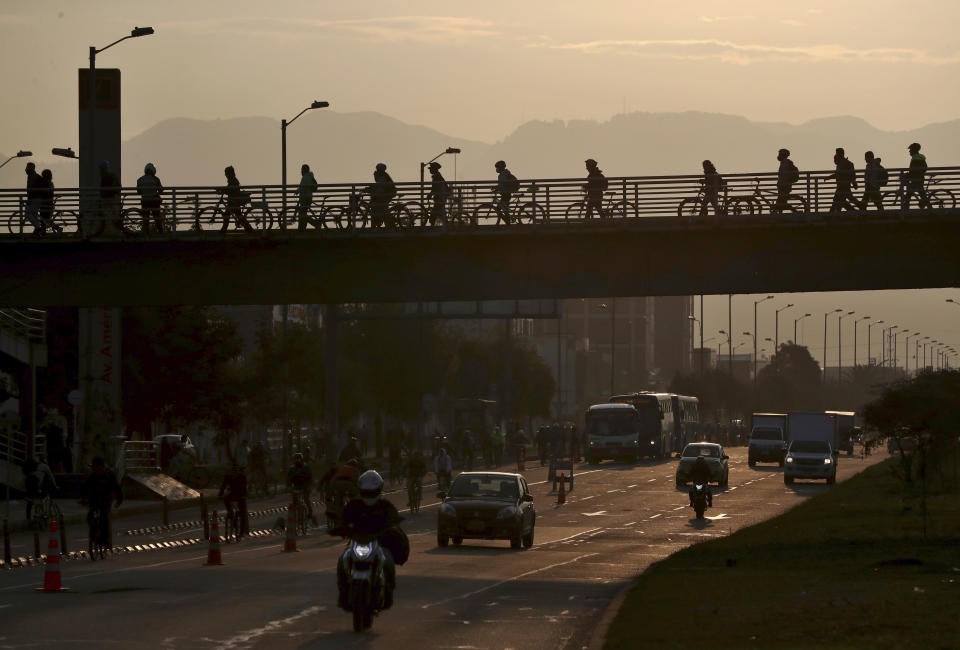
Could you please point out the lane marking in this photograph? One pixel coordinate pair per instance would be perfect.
(651, 480)
(557, 541)
(594, 514)
(273, 626)
(632, 486)
(507, 581)
(654, 516)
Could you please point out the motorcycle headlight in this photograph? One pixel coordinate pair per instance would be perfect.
(827, 461)
(447, 510)
(652, 442)
(509, 511)
(593, 443)
(789, 459)
(362, 551)
(699, 487)
(636, 442)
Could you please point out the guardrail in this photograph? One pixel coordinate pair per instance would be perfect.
(79, 212)
(138, 456)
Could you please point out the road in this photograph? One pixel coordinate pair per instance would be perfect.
(618, 520)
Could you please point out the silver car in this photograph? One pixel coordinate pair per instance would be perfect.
(713, 454)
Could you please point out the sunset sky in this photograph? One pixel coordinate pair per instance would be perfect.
(478, 69)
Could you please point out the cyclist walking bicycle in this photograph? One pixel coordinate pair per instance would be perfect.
(439, 192)
(233, 491)
(874, 177)
(846, 177)
(712, 183)
(236, 199)
(308, 185)
(913, 178)
(149, 188)
(101, 491)
(596, 185)
(299, 481)
(507, 186)
(381, 193)
(787, 175)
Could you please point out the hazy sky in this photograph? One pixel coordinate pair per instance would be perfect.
(477, 69)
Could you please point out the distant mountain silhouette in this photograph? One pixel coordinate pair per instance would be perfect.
(344, 147)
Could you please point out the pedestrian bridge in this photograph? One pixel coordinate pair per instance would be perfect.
(652, 238)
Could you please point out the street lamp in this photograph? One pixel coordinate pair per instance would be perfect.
(896, 351)
(888, 336)
(795, 321)
(613, 316)
(283, 154)
(19, 154)
(64, 153)
(729, 350)
(423, 165)
(754, 356)
(855, 340)
(840, 345)
(825, 341)
(755, 303)
(906, 352)
(776, 326)
(870, 327)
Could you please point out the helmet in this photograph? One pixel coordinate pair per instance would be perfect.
(434, 165)
(370, 484)
(915, 145)
(499, 164)
(590, 162)
(381, 167)
(784, 152)
(149, 169)
(298, 457)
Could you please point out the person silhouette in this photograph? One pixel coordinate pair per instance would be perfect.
(507, 184)
(872, 181)
(787, 175)
(596, 184)
(32, 211)
(439, 192)
(149, 188)
(236, 199)
(914, 178)
(712, 182)
(381, 193)
(308, 185)
(846, 177)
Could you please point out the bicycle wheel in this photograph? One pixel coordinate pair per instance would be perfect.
(575, 211)
(741, 207)
(622, 210)
(486, 214)
(797, 204)
(208, 217)
(131, 221)
(259, 216)
(942, 199)
(64, 221)
(689, 208)
(531, 212)
(405, 214)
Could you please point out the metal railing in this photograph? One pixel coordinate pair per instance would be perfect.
(347, 207)
(28, 324)
(138, 456)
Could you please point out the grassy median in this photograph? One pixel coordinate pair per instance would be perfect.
(850, 568)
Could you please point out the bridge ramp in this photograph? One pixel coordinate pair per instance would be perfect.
(156, 485)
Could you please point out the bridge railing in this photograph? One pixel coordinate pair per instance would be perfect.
(77, 212)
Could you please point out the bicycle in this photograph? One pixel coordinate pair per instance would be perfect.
(527, 212)
(301, 517)
(251, 215)
(98, 535)
(749, 204)
(414, 494)
(260, 483)
(318, 215)
(942, 198)
(609, 208)
(693, 206)
(60, 220)
(45, 510)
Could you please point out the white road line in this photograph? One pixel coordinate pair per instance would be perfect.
(565, 539)
(651, 480)
(244, 638)
(654, 516)
(632, 486)
(630, 524)
(508, 580)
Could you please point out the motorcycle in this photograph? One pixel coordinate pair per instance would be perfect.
(699, 499)
(366, 581)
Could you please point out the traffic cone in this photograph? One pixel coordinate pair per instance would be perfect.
(213, 553)
(562, 492)
(51, 576)
(290, 544)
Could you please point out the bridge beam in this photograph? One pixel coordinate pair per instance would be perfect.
(646, 258)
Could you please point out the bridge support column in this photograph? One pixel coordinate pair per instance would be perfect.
(331, 395)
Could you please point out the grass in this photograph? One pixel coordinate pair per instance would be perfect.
(847, 569)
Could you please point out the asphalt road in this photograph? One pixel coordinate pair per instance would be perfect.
(618, 520)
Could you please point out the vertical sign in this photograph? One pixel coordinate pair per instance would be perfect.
(100, 380)
(106, 131)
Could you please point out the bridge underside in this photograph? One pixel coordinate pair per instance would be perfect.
(646, 257)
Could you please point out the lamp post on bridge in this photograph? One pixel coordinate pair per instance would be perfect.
(752, 336)
(283, 156)
(888, 336)
(755, 303)
(729, 350)
(423, 165)
(855, 340)
(64, 153)
(795, 321)
(19, 154)
(825, 341)
(906, 352)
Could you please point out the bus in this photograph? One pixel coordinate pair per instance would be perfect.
(613, 431)
(686, 421)
(657, 426)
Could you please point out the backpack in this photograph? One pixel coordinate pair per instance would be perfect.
(604, 183)
(794, 173)
(513, 183)
(883, 176)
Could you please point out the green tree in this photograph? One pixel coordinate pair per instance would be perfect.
(790, 382)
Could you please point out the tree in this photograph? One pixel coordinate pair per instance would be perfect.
(791, 381)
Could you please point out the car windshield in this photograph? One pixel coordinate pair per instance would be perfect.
(487, 487)
(767, 434)
(612, 423)
(810, 447)
(692, 451)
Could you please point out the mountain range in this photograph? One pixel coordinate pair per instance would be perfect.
(345, 147)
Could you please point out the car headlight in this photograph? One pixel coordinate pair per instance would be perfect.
(652, 442)
(447, 510)
(593, 443)
(636, 442)
(509, 511)
(827, 461)
(789, 459)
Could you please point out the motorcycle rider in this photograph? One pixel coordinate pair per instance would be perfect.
(372, 516)
(700, 474)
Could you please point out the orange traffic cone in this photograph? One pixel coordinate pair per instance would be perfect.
(290, 544)
(51, 576)
(562, 492)
(213, 553)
